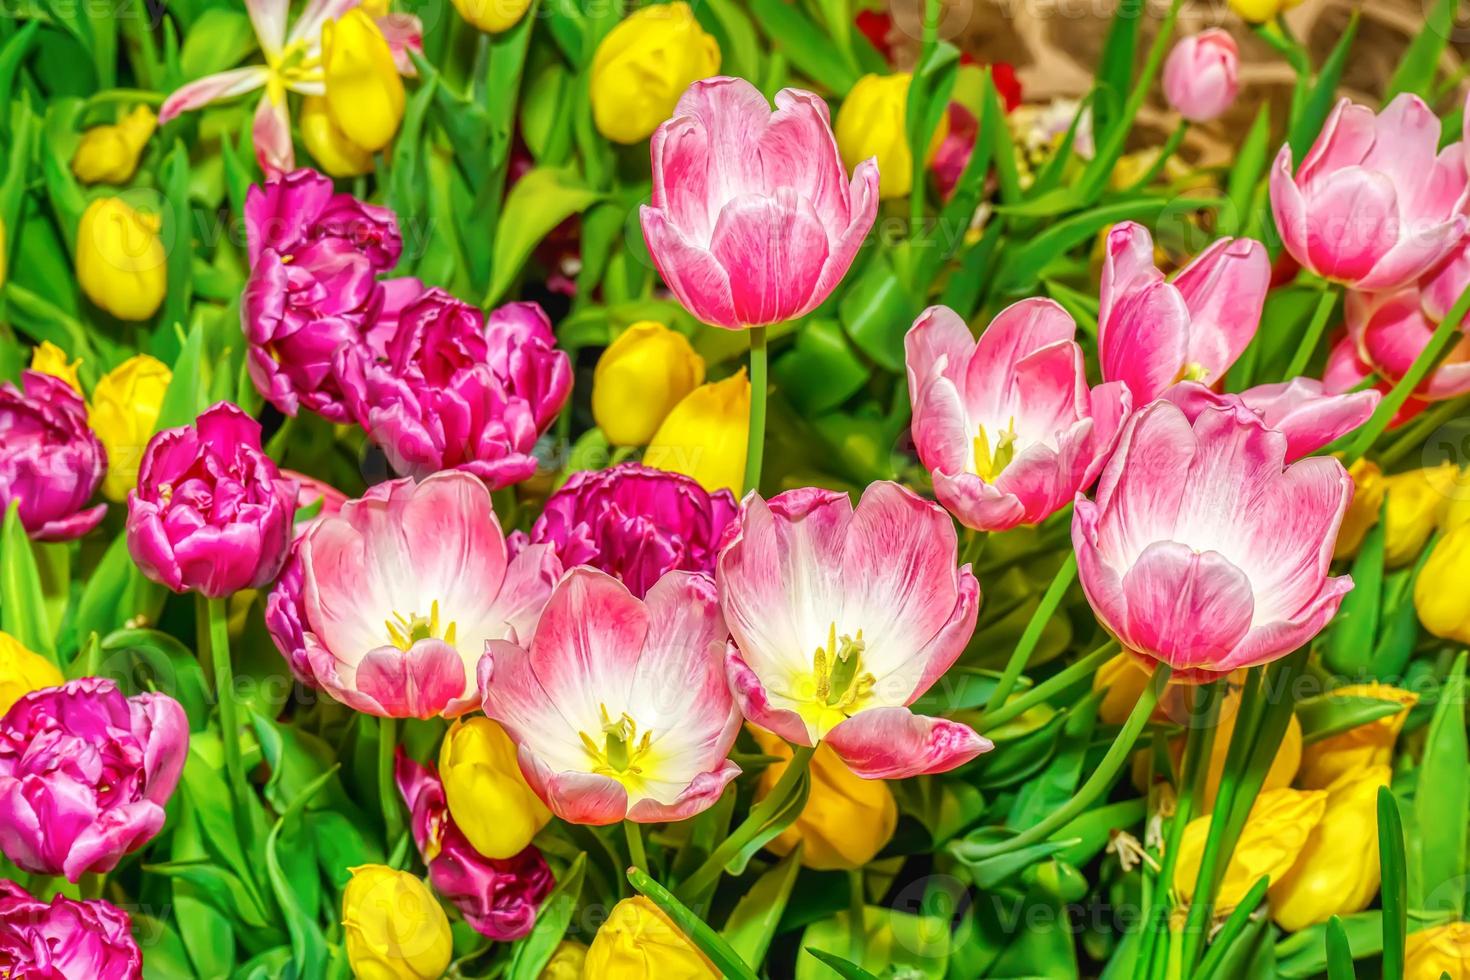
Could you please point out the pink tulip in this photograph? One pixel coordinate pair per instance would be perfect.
(619, 708)
(401, 590)
(1007, 425)
(842, 618)
(753, 219)
(1301, 409)
(64, 939)
(1199, 77)
(1152, 332)
(1204, 550)
(1375, 204)
(50, 460)
(1346, 371)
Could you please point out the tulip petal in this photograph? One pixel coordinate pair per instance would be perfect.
(268, 17)
(694, 275)
(272, 136)
(415, 683)
(798, 151)
(942, 430)
(1185, 607)
(1346, 139)
(576, 797)
(895, 743)
(1292, 533)
(757, 704)
(1353, 223)
(939, 342)
(863, 210)
(1143, 322)
(308, 26)
(1225, 291)
(977, 504)
(212, 88)
(773, 250)
(701, 793)
(994, 379)
(114, 832)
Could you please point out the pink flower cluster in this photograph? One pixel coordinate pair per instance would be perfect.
(65, 938)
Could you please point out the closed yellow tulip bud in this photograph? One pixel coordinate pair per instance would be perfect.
(364, 93)
(1417, 499)
(568, 962)
(640, 378)
(23, 671)
(870, 123)
(492, 16)
(639, 942)
(1260, 11)
(1275, 833)
(1122, 680)
(485, 791)
(1440, 595)
(1325, 761)
(847, 820)
(393, 926)
(124, 411)
(643, 66)
(109, 154)
(705, 435)
(1330, 876)
(1362, 513)
(328, 145)
(47, 358)
(1441, 951)
(121, 265)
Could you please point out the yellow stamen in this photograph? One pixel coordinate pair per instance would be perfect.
(405, 631)
(991, 462)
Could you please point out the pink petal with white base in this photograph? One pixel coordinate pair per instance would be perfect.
(895, 743)
(212, 88)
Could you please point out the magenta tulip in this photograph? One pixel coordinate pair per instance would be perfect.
(1152, 332)
(1007, 425)
(85, 774)
(1376, 203)
(1301, 409)
(1200, 75)
(842, 618)
(50, 461)
(1204, 550)
(753, 219)
(64, 939)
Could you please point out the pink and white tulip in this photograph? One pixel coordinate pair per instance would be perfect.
(1301, 409)
(753, 219)
(1007, 425)
(1375, 203)
(1200, 75)
(842, 617)
(1346, 372)
(1152, 333)
(619, 708)
(1204, 550)
(401, 589)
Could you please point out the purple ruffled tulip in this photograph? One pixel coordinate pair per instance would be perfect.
(65, 939)
(498, 899)
(50, 461)
(315, 259)
(85, 773)
(635, 523)
(456, 391)
(211, 512)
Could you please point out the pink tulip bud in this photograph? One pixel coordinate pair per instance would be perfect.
(1199, 77)
(50, 461)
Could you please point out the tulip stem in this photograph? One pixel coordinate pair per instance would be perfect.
(224, 686)
(1059, 681)
(637, 856)
(387, 788)
(1325, 305)
(857, 924)
(755, 445)
(1032, 635)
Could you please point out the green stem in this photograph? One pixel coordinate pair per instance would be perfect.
(1098, 783)
(857, 904)
(1032, 634)
(387, 786)
(637, 856)
(774, 802)
(755, 446)
(224, 687)
(1414, 434)
(1059, 681)
(1310, 339)
(1171, 147)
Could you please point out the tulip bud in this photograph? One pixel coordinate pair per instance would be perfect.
(492, 16)
(22, 671)
(1326, 880)
(705, 435)
(1363, 511)
(639, 942)
(567, 962)
(485, 791)
(847, 820)
(120, 261)
(109, 154)
(1440, 951)
(642, 67)
(1440, 595)
(47, 358)
(1260, 11)
(394, 928)
(1199, 77)
(364, 93)
(1417, 499)
(1274, 834)
(1357, 749)
(640, 378)
(327, 144)
(124, 411)
(871, 123)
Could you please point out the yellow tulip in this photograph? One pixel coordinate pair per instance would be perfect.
(364, 93)
(485, 791)
(640, 378)
(870, 123)
(393, 926)
(1283, 767)
(121, 264)
(567, 962)
(639, 942)
(1277, 829)
(705, 435)
(47, 358)
(847, 820)
(327, 144)
(1362, 513)
(1417, 499)
(1260, 11)
(492, 16)
(22, 671)
(1441, 951)
(109, 154)
(643, 66)
(1440, 595)
(1357, 749)
(1337, 871)
(1123, 678)
(124, 411)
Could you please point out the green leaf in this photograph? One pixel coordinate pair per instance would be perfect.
(178, 243)
(1223, 945)
(1303, 954)
(1328, 715)
(1245, 174)
(821, 370)
(220, 38)
(993, 871)
(895, 944)
(752, 923)
(308, 946)
(1115, 65)
(932, 83)
(1339, 953)
(846, 969)
(1420, 61)
(740, 47)
(187, 394)
(534, 951)
(798, 37)
(144, 659)
(1324, 93)
(1442, 798)
(22, 601)
(541, 200)
(1393, 892)
(877, 312)
(696, 929)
